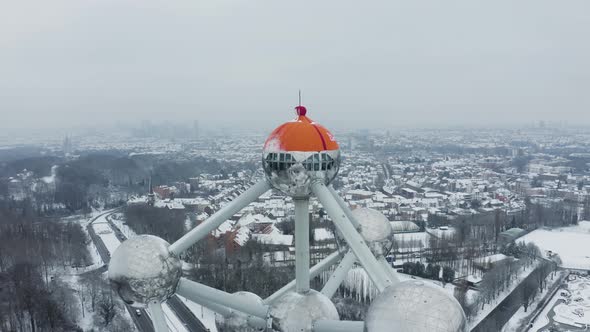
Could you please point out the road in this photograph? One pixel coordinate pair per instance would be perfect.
(142, 322)
(496, 319)
(190, 321)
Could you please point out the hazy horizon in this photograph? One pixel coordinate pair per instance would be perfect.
(240, 64)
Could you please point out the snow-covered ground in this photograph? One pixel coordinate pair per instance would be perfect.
(121, 225)
(206, 316)
(358, 281)
(174, 324)
(569, 307)
(575, 311)
(571, 243)
(521, 317)
(108, 237)
(94, 254)
(442, 233)
(523, 274)
(411, 241)
(72, 279)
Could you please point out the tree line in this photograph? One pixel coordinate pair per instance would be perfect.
(32, 251)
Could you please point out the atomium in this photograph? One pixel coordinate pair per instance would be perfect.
(299, 158)
(142, 270)
(295, 312)
(415, 306)
(299, 152)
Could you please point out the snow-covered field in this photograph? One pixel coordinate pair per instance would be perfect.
(521, 318)
(104, 230)
(575, 310)
(126, 230)
(411, 241)
(571, 243)
(442, 233)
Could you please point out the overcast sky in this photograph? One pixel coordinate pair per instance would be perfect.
(240, 63)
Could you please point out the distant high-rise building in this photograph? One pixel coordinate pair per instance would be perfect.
(151, 196)
(67, 145)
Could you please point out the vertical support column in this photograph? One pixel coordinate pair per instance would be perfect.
(158, 318)
(301, 245)
(315, 271)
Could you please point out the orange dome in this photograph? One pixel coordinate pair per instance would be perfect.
(301, 134)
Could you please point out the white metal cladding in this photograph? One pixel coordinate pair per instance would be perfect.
(415, 306)
(142, 270)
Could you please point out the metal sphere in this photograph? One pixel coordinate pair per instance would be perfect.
(142, 270)
(293, 172)
(375, 229)
(238, 321)
(415, 306)
(296, 312)
(298, 153)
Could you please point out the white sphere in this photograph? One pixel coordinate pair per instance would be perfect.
(415, 306)
(142, 270)
(293, 172)
(238, 321)
(296, 312)
(375, 229)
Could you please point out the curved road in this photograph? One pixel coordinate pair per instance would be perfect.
(142, 321)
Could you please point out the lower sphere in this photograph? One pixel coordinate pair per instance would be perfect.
(238, 321)
(415, 306)
(142, 270)
(296, 312)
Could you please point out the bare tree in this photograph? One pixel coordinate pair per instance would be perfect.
(107, 309)
(529, 290)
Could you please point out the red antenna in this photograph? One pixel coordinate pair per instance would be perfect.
(300, 110)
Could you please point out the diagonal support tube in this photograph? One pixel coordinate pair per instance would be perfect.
(158, 317)
(315, 271)
(338, 326)
(345, 207)
(354, 240)
(388, 268)
(200, 293)
(253, 321)
(301, 245)
(339, 274)
(219, 217)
